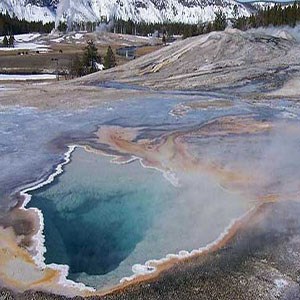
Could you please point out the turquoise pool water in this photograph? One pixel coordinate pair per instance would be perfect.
(101, 218)
(97, 212)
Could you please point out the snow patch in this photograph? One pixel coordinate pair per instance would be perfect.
(17, 77)
(26, 37)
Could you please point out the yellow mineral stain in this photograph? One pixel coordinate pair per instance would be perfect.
(19, 271)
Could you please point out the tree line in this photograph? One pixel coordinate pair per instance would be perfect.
(12, 25)
(277, 15)
(8, 42)
(169, 28)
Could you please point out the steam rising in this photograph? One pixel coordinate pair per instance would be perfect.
(103, 27)
(285, 32)
(63, 7)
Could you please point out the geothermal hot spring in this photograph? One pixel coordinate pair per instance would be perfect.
(141, 185)
(102, 219)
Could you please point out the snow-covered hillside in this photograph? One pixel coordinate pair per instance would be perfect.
(24, 9)
(188, 11)
(265, 4)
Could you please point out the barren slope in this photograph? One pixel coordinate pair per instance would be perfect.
(212, 61)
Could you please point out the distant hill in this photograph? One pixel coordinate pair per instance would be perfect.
(255, 5)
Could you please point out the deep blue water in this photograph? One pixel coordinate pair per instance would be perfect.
(102, 218)
(96, 212)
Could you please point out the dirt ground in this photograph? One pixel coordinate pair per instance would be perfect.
(30, 61)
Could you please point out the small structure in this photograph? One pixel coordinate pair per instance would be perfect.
(128, 52)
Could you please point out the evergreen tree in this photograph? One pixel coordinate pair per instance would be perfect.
(11, 41)
(62, 27)
(10, 24)
(109, 59)
(77, 68)
(85, 64)
(209, 27)
(90, 57)
(220, 22)
(2, 25)
(164, 39)
(5, 41)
